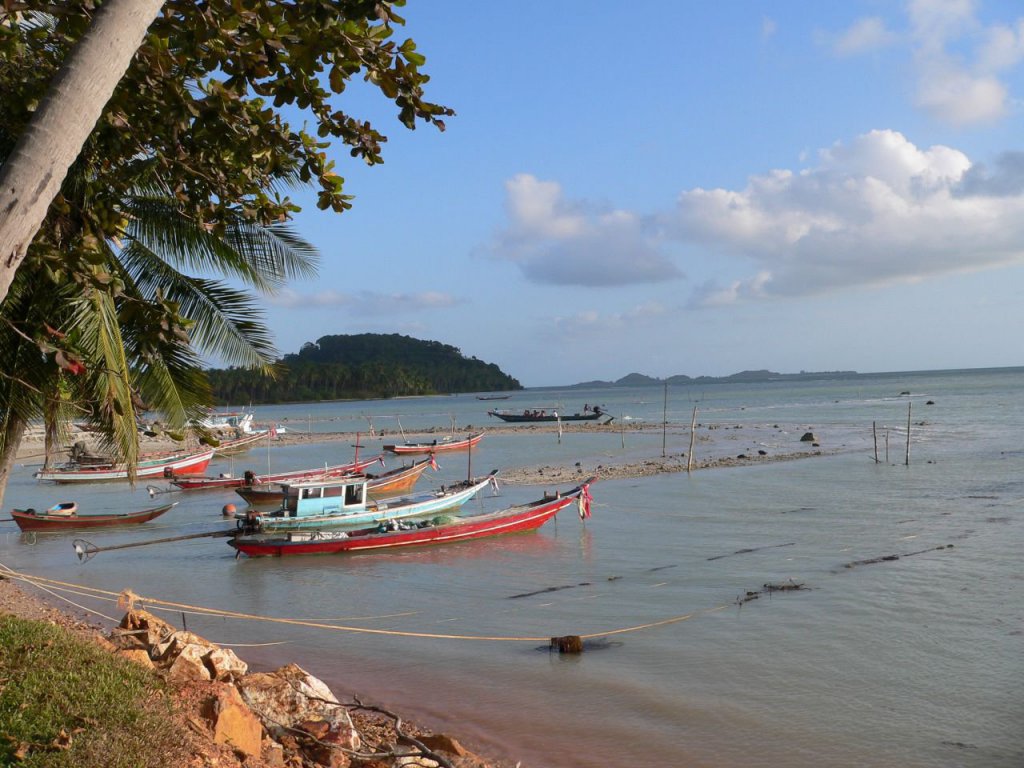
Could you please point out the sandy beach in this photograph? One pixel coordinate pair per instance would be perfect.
(714, 445)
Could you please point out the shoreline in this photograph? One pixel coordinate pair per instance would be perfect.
(714, 446)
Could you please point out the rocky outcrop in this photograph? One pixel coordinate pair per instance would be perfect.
(284, 718)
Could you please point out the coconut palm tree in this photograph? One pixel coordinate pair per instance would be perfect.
(132, 334)
(31, 176)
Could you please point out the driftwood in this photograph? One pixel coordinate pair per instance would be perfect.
(549, 589)
(768, 589)
(752, 549)
(382, 752)
(890, 558)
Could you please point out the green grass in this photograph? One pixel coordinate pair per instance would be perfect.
(54, 683)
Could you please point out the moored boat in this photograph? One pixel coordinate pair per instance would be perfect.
(544, 415)
(397, 480)
(251, 478)
(436, 446)
(238, 445)
(441, 530)
(175, 463)
(345, 502)
(66, 517)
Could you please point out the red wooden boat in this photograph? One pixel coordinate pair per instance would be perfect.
(398, 480)
(447, 444)
(65, 517)
(396, 534)
(176, 462)
(250, 478)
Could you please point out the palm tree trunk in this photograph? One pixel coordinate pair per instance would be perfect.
(14, 431)
(35, 169)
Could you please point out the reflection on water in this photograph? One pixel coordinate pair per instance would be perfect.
(910, 662)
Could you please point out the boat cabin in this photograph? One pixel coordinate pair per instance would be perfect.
(323, 497)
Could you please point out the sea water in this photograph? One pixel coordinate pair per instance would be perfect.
(915, 661)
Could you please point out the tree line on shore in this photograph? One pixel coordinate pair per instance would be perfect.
(362, 366)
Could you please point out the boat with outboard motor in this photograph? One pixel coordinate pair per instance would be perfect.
(394, 481)
(437, 446)
(251, 478)
(162, 465)
(345, 502)
(397, 534)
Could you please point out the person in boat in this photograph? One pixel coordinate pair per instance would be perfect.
(586, 407)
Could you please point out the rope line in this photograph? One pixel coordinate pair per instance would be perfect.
(204, 611)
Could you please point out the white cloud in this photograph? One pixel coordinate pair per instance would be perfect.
(879, 210)
(957, 61)
(874, 211)
(558, 242)
(364, 302)
(590, 323)
(867, 34)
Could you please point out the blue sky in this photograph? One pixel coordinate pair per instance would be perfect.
(690, 188)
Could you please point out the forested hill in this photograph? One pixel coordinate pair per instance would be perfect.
(367, 365)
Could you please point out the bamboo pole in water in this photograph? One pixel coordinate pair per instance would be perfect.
(874, 436)
(693, 426)
(664, 420)
(908, 433)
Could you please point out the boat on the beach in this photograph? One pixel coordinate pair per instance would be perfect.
(238, 445)
(543, 415)
(162, 465)
(251, 478)
(397, 480)
(345, 502)
(66, 517)
(436, 446)
(397, 534)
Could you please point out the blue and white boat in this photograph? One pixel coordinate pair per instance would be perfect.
(344, 501)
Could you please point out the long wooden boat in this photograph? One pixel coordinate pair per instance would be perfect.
(239, 445)
(251, 478)
(345, 502)
(398, 480)
(65, 517)
(436, 446)
(394, 535)
(176, 463)
(536, 415)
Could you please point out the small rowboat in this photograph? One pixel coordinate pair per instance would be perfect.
(398, 480)
(65, 517)
(249, 478)
(447, 444)
(394, 535)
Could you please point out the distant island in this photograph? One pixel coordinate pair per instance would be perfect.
(360, 367)
(640, 380)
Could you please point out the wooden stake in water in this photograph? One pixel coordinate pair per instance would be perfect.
(693, 427)
(874, 436)
(908, 433)
(664, 420)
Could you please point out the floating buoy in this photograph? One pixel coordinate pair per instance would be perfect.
(229, 510)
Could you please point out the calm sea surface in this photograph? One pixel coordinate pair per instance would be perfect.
(912, 662)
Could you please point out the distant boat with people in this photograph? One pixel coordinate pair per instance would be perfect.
(544, 414)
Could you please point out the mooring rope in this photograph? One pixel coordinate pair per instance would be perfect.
(217, 612)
